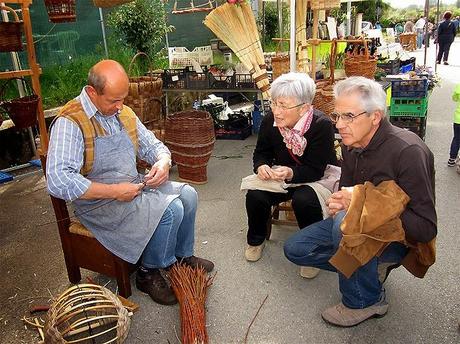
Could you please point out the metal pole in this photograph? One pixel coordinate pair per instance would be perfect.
(437, 31)
(292, 43)
(101, 16)
(348, 32)
(427, 9)
(279, 6)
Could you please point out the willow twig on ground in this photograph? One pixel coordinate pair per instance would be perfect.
(253, 319)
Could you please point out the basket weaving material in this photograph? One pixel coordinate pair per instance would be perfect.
(61, 11)
(11, 33)
(324, 4)
(109, 3)
(86, 313)
(190, 137)
(22, 111)
(145, 96)
(280, 65)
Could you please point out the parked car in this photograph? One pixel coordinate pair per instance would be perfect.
(365, 26)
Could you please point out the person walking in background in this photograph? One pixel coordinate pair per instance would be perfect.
(420, 29)
(445, 37)
(409, 27)
(455, 145)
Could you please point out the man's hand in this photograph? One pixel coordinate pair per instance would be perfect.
(339, 200)
(158, 174)
(126, 192)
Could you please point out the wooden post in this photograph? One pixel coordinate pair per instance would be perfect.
(315, 43)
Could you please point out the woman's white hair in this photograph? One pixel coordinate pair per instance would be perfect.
(296, 85)
(373, 97)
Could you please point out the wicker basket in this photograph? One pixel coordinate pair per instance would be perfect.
(109, 3)
(361, 65)
(190, 137)
(22, 111)
(61, 11)
(324, 4)
(145, 97)
(11, 33)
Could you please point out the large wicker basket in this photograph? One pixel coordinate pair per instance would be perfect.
(23, 110)
(10, 33)
(361, 65)
(61, 11)
(145, 97)
(109, 3)
(190, 137)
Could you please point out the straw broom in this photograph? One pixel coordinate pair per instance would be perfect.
(235, 25)
(301, 36)
(190, 286)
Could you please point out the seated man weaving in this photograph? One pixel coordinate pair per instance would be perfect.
(92, 162)
(383, 216)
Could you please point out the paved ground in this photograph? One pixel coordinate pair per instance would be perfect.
(422, 311)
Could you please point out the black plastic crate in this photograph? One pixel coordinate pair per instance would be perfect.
(221, 81)
(413, 88)
(391, 67)
(416, 125)
(174, 78)
(235, 134)
(197, 81)
(244, 81)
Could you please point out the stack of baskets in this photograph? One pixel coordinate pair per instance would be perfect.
(11, 32)
(360, 63)
(61, 11)
(190, 137)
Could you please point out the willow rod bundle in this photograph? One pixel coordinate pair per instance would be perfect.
(301, 35)
(190, 286)
(236, 26)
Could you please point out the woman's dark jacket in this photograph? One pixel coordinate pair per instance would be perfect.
(271, 150)
(446, 32)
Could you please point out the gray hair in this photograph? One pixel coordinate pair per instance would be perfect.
(96, 80)
(296, 85)
(373, 97)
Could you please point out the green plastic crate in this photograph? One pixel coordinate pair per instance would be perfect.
(409, 107)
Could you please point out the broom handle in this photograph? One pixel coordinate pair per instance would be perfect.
(332, 60)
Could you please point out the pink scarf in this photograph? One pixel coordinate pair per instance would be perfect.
(293, 138)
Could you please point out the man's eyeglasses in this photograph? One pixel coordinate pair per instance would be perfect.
(275, 105)
(347, 117)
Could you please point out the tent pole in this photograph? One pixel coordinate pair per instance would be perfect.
(292, 42)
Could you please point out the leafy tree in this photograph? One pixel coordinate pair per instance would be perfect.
(141, 24)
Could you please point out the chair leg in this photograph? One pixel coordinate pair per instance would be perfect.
(275, 214)
(122, 271)
(73, 272)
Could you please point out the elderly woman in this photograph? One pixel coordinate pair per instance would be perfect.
(295, 144)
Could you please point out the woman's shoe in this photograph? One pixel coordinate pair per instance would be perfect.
(253, 253)
(446, 63)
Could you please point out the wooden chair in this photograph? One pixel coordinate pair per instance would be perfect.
(82, 250)
(274, 219)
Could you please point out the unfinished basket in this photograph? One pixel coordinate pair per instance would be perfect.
(109, 3)
(87, 313)
(190, 137)
(324, 4)
(145, 97)
(11, 32)
(61, 11)
(280, 65)
(358, 64)
(23, 110)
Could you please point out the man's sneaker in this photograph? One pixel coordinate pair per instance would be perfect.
(196, 262)
(341, 315)
(253, 253)
(152, 282)
(451, 162)
(308, 272)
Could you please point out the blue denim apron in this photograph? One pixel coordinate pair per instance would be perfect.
(124, 228)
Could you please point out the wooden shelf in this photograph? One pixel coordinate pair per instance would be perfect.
(17, 73)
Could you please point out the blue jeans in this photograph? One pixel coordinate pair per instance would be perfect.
(317, 243)
(455, 145)
(420, 34)
(175, 234)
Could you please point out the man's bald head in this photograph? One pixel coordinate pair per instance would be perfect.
(107, 73)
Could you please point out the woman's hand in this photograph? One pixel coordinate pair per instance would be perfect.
(265, 172)
(283, 173)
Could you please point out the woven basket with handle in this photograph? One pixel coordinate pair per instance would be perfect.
(11, 32)
(360, 64)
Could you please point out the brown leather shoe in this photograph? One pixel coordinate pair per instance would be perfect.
(197, 262)
(154, 284)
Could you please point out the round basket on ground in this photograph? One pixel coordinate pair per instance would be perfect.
(190, 137)
(10, 32)
(61, 11)
(87, 313)
(22, 111)
(358, 64)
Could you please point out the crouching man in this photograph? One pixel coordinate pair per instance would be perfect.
(383, 216)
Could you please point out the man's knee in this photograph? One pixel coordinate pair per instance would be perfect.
(174, 211)
(188, 195)
(295, 249)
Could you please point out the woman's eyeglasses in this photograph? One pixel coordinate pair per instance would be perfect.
(347, 117)
(275, 105)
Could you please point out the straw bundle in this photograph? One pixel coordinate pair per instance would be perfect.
(301, 36)
(190, 286)
(236, 26)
